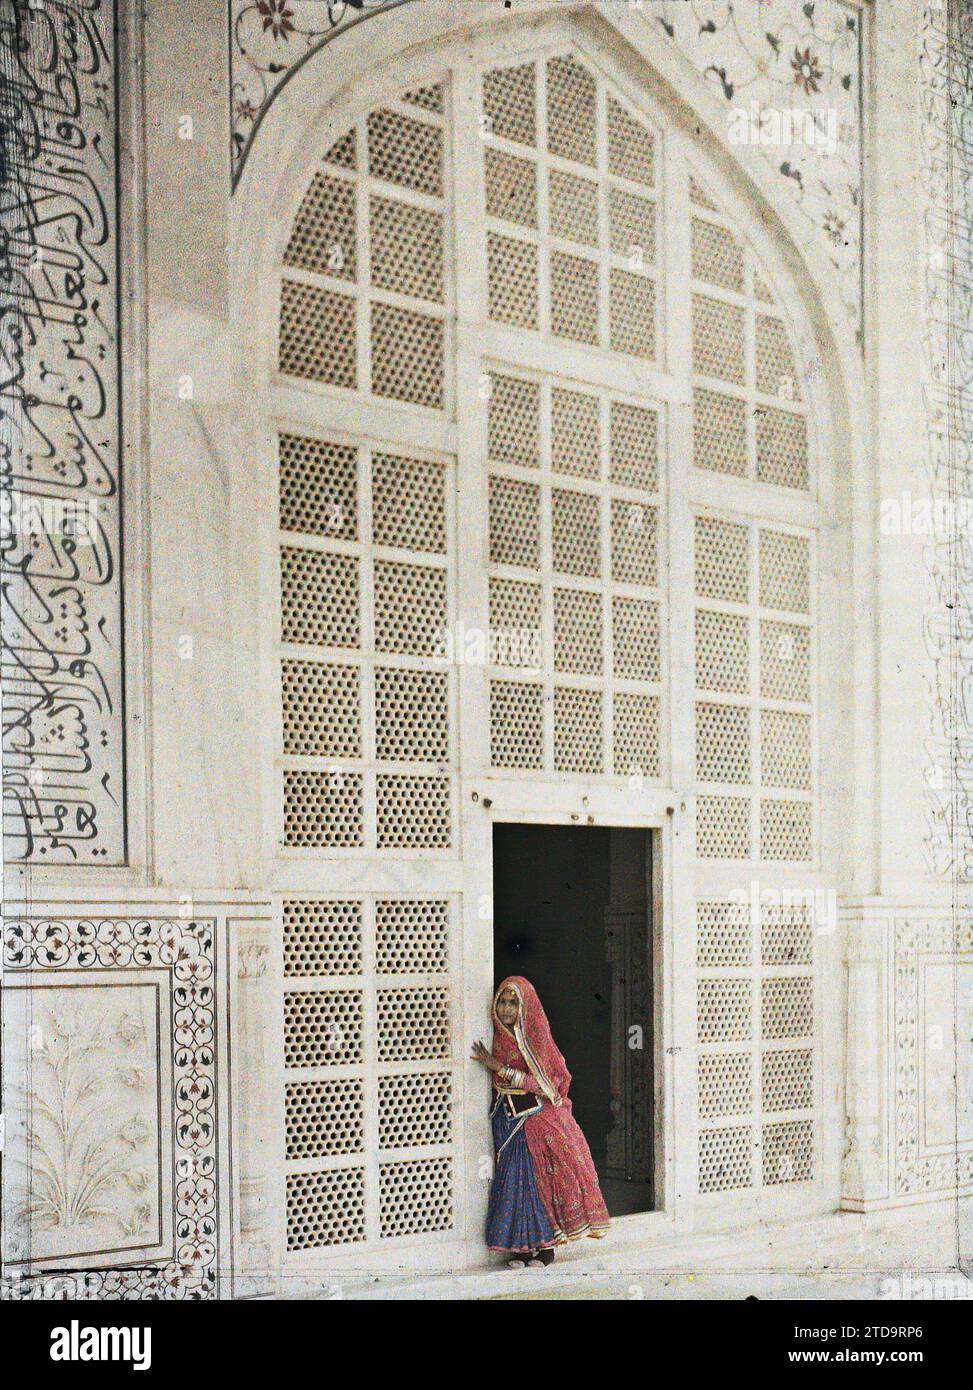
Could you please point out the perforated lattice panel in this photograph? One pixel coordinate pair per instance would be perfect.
(718, 339)
(786, 830)
(413, 1025)
(631, 147)
(725, 1159)
(722, 560)
(325, 1208)
(575, 433)
(408, 355)
(325, 236)
(322, 1028)
(782, 448)
(578, 631)
(787, 1078)
(318, 334)
(322, 709)
(785, 571)
(722, 651)
(786, 934)
(717, 257)
(573, 207)
(510, 103)
(407, 249)
(515, 522)
(512, 281)
(319, 598)
(413, 812)
(405, 151)
(722, 743)
(325, 1118)
(324, 810)
(318, 487)
(583, 266)
(634, 443)
(719, 432)
(413, 1110)
(723, 935)
(739, 341)
(724, 1010)
(636, 735)
(787, 1007)
(632, 226)
(576, 533)
(514, 420)
(416, 1196)
(511, 188)
(635, 639)
(788, 1152)
(369, 1070)
(410, 608)
(322, 937)
(725, 1084)
(411, 715)
(411, 936)
(761, 741)
(723, 827)
(408, 503)
(571, 110)
(516, 724)
(578, 730)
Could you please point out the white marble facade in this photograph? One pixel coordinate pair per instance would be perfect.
(306, 300)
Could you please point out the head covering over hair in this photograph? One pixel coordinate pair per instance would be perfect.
(531, 1038)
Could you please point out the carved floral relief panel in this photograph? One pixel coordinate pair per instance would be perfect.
(88, 1165)
(117, 1162)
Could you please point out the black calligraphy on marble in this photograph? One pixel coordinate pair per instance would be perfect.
(60, 434)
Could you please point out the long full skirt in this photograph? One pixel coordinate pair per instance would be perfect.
(564, 1172)
(516, 1219)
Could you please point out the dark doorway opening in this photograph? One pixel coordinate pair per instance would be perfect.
(572, 913)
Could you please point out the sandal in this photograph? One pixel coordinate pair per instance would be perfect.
(518, 1262)
(541, 1258)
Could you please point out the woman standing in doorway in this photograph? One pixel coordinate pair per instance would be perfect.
(545, 1189)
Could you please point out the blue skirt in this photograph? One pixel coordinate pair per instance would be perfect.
(516, 1219)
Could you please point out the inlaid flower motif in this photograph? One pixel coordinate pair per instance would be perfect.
(276, 17)
(807, 71)
(246, 110)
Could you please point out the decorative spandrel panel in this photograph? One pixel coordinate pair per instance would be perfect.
(791, 76)
(268, 39)
(60, 525)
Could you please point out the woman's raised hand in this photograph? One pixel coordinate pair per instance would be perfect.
(486, 1059)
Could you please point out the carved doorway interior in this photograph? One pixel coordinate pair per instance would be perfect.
(572, 912)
